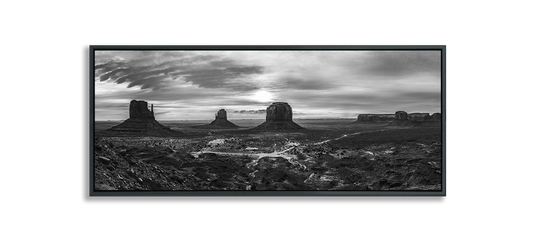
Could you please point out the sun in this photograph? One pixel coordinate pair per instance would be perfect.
(262, 96)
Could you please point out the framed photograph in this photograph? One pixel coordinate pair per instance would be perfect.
(267, 120)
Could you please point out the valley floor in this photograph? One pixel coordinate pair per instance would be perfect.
(325, 156)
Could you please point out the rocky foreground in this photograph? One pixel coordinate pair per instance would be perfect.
(388, 160)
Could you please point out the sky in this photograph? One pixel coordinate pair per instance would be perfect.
(194, 85)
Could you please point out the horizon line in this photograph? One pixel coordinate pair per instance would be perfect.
(232, 119)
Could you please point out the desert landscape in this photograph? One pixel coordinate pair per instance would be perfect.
(252, 120)
(397, 151)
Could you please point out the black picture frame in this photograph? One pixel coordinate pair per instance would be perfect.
(266, 46)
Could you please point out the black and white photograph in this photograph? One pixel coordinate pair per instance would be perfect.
(341, 120)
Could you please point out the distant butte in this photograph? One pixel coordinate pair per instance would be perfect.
(142, 123)
(402, 118)
(220, 122)
(374, 118)
(279, 117)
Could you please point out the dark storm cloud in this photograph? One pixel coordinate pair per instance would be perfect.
(397, 64)
(205, 71)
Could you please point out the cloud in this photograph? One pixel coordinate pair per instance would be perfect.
(162, 112)
(251, 112)
(233, 77)
(154, 82)
(117, 71)
(161, 71)
(304, 84)
(109, 66)
(321, 84)
(398, 64)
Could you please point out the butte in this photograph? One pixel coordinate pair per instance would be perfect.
(374, 118)
(403, 118)
(279, 117)
(141, 123)
(221, 122)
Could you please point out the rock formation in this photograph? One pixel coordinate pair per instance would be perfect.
(279, 111)
(279, 117)
(403, 118)
(220, 122)
(436, 116)
(401, 115)
(139, 109)
(418, 117)
(141, 123)
(221, 115)
(374, 118)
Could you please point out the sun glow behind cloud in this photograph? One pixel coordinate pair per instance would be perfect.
(262, 96)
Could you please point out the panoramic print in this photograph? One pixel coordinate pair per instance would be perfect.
(281, 120)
